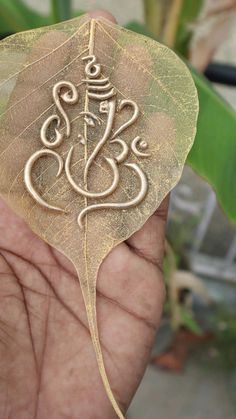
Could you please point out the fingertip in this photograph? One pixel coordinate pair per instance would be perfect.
(149, 240)
(162, 210)
(102, 13)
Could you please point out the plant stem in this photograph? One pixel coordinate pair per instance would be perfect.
(171, 26)
(153, 15)
(61, 10)
(173, 291)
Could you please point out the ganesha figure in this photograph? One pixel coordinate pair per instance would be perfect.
(100, 89)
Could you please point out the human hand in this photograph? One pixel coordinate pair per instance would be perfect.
(48, 366)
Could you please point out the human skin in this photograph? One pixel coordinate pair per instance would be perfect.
(48, 368)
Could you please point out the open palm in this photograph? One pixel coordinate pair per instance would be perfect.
(48, 368)
(47, 363)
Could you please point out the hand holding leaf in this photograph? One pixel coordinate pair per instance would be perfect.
(102, 120)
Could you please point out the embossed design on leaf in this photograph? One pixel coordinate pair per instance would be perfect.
(96, 121)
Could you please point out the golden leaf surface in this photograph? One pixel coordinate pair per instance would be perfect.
(96, 123)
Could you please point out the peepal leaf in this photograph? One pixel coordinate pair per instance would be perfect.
(96, 124)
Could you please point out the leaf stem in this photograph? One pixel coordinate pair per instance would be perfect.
(61, 10)
(153, 10)
(172, 21)
(172, 288)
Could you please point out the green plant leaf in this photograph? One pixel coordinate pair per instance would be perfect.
(188, 321)
(78, 13)
(213, 155)
(139, 28)
(153, 11)
(16, 16)
(189, 13)
(61, 10)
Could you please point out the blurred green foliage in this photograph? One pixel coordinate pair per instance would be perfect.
(16, 16)
(61, 10)
(225, 336)
(187, 320)
(221, 347)
(189, 12)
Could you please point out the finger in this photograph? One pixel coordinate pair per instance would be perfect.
(102, 13)
(148, 242)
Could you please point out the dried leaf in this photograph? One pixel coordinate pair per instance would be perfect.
(96, 123)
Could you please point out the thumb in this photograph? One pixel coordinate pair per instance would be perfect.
(102, 13)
